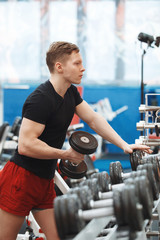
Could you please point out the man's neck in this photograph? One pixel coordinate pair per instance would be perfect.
(60, 86)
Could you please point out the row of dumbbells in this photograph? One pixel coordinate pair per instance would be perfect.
(130, 202)
(150, 163)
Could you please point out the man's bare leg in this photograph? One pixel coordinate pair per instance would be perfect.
(10, 225)
(46, 221)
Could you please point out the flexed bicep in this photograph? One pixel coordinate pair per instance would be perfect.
(29, 132)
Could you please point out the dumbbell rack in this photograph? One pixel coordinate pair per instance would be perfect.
(7, 144)
(152, 227)
(3, 138)
(96, 226)
(93, 228)
(150, 112)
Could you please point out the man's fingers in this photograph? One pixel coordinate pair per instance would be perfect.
(148, 151)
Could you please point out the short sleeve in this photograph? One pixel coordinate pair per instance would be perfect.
(78, 98)
(37, 108)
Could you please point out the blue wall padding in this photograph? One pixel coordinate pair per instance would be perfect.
(13, 101)
(103, 164)
(124, 123)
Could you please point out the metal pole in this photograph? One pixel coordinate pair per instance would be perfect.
(142, 83)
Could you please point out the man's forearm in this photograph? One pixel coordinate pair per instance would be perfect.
(103, 128)
(38, 149)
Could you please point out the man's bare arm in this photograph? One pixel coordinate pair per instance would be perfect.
(104, 129)
(29, 144)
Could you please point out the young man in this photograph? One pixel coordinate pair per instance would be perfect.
(26, 182)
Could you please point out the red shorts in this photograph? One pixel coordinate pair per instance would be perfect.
(21, 191)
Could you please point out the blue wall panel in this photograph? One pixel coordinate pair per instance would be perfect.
(13, 100)
(124, 123)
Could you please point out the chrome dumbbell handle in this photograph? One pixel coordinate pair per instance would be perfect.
(95, 213)
(101, 203)
(108, 195)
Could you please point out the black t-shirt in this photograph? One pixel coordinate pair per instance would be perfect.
(44, 105)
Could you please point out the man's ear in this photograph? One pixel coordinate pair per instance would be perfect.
(58, 67)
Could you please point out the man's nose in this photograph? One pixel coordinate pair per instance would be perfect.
(82, 69)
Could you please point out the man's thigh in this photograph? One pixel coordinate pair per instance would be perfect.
(46, 221)
(10, 225)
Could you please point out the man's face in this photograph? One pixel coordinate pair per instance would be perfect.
(73, 68)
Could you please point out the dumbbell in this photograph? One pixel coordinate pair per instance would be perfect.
(137, 158)
(143, 188)
(156, 166)
(157, 130)
(143, 192)
(8, 132)
(103, 178)
(16, 126)
(84, 143)
(100, 184)
(152, 158)
(117, 176)
(9, 138)
(75, 182)
(71, 218)
(150, 170)
(4, 129)
(87, 199)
